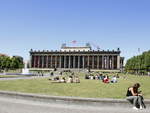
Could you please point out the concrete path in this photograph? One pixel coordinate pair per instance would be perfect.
(12, 105)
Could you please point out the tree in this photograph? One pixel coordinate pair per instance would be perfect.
(19, 60)
(138, 64)
(7, 62)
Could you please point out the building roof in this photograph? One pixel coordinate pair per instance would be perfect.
(75, 48)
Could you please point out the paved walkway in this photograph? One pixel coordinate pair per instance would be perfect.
(11, 105)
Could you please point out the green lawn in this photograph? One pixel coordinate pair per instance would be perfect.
(87, 88)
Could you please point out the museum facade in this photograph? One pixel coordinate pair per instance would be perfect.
(76, 58)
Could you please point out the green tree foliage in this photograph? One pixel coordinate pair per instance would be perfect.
(140, 63)
(7, 62)
(17, 61)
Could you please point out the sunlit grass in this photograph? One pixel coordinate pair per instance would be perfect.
(87, 88)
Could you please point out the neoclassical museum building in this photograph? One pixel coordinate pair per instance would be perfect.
(76, 58)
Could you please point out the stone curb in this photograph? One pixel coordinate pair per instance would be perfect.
(69, 100)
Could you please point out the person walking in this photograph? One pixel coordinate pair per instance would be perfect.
(135, 97)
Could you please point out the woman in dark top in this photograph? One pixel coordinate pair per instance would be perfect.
(135, 97)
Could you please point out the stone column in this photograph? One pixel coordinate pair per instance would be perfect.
(37, 61)
(30, 62)
(69, 61)
(64, 61)
(38, 66)
(112, 62)
(83, 57)
(106, 66)
(51, 61)
(118, 62)
(103, 61)
(47, 62)
(74, 61)
(108, 62)
(97, 62)
(42, 61)
(88, 62)
(78, 61)
(93, 62)
(60, 61)
(34, 63)
(56, 61)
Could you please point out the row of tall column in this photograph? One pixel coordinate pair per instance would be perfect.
(72, 61)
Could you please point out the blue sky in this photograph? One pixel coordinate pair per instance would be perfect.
(46, 24)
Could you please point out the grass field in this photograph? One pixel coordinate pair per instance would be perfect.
(87, 88)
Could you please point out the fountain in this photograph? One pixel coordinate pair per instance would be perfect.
(25, 70)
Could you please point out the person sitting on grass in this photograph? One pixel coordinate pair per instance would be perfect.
(87, 77)
(56, 78)
(76, 79)
(106, 79)
(70, 79)
(63, 80)
(114, 79)
(135, 97)
(60, 80)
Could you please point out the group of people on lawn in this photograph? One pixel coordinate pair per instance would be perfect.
(104, 78)
(70, 79)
